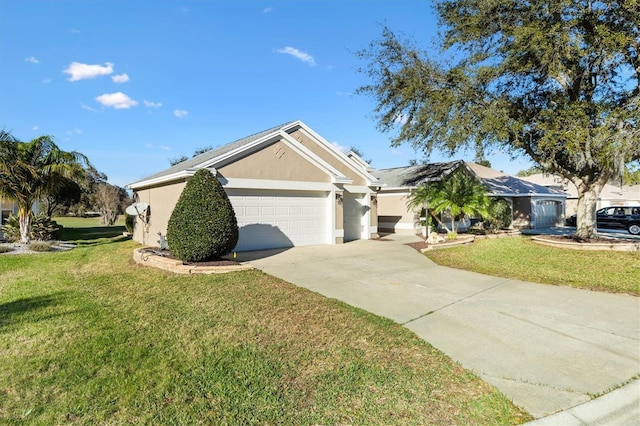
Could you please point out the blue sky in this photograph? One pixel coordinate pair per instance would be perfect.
(132, 84)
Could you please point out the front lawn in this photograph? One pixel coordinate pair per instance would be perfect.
(520, 258)
(81, 229)
(87, 336)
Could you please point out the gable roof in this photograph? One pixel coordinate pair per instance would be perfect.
(502, 184)
(609, 192)
(497, 183)
(412, 176)
(192, 163)
(241, 146)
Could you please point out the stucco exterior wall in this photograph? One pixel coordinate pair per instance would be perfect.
(521, 212)
(161, 201)
(393, 214)
(274, 162)
(327, 156)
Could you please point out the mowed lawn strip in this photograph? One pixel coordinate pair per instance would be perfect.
(87, 336)
(521, 259)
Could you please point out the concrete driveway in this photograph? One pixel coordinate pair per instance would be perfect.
(547, 348)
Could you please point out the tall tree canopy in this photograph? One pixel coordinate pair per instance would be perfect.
(556, 80)
(31, 170)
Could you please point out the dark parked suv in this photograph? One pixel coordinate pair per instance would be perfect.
(616, 217)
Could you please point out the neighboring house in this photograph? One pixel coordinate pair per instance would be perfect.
(8, 208)
(611, 195)
(533, 206)
(288, 187)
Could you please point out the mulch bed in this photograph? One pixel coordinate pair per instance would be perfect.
(418, 246)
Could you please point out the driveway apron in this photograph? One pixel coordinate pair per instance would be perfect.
(547, 348)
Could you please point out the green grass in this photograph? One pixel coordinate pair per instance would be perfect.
(83, 229)
(520, 258)
(87, 336)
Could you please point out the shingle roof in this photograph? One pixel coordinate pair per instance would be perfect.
(216, 152)
(497, 183)
(415, 175)
(503, 184)
(609, 192)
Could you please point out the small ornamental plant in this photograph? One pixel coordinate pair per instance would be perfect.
(203, 225)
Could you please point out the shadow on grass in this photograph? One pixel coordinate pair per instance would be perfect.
(29, 307)
(91, 233)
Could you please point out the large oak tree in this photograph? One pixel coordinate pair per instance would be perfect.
(556, 80)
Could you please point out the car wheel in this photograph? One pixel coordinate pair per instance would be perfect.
(634, 229)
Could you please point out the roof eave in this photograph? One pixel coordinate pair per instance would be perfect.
(165, 179)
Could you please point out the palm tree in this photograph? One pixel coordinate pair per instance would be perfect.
(31, 170)
(460, 193)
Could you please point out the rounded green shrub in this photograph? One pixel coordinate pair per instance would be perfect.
(500, 215)
(203, 225)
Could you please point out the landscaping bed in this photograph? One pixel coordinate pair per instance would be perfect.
(570, 242)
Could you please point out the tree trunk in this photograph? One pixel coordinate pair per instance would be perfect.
(586, 215)
(25, 224)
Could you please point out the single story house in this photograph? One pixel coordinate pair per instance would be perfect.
(288, 186)
(611, 195)
(533, 206)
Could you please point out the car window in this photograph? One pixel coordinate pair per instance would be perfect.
(635, 210)
(608, 211)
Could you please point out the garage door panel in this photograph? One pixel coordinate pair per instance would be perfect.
(274, 219)
(547, 213)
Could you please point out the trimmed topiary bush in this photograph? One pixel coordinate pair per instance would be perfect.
(203, 225)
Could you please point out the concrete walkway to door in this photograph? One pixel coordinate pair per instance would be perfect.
(547, 348)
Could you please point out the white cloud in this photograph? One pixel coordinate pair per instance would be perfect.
(341, 147)
(152, 104)
(303, 56)
(35, 128)
(32, 60)
(267, 9)
(88, 108)
(79, 71)
(116, 100)
(160, 147)
(180, 113)
(120, 78)
(74, 31)
(75, 131)
(46, 80)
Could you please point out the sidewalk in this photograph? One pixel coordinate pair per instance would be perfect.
(620, 407)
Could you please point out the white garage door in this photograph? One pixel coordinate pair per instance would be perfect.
(275, 219)
(353, 211)
(547, 213)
